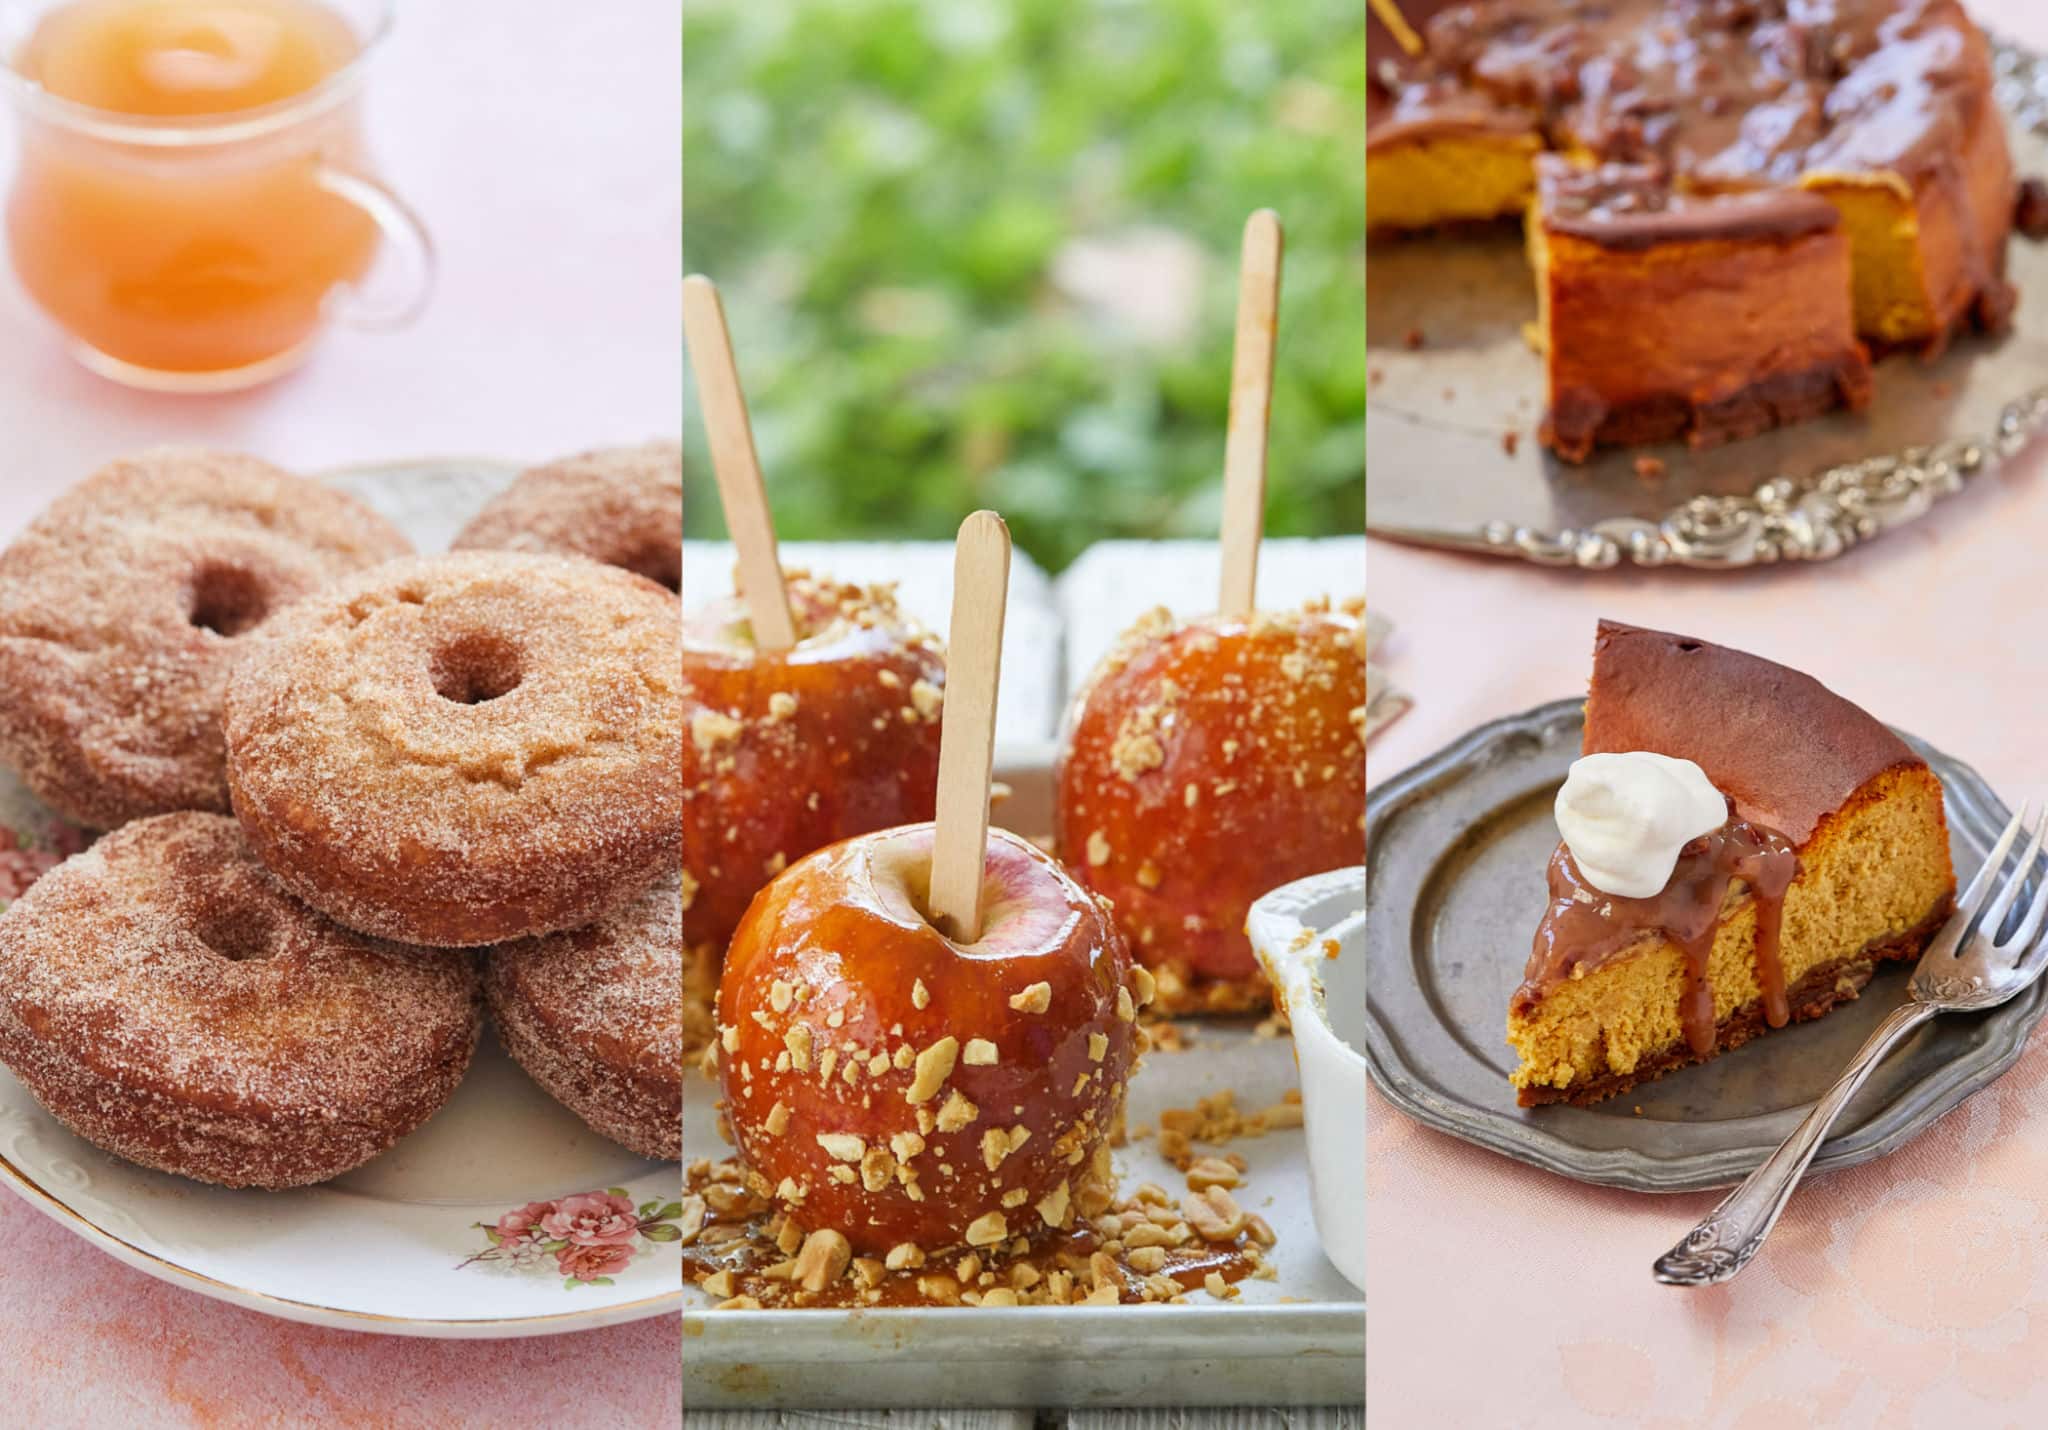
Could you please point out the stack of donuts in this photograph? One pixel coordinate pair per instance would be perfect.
(350, 796)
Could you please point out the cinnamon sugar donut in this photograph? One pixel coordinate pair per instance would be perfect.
(622, 506)
(168, 1002)
(595, 1017)
(124, 605)
(464, 749)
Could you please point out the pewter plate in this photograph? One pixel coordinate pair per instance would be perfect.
(1456, 852)
(1439, 472)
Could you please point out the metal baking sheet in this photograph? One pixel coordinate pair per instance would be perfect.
(1441, 470)
(1297, 1340)
(1456, 852)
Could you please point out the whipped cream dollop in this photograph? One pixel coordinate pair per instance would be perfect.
(1625, 817)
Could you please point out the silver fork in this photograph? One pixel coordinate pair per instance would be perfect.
(1966, 967)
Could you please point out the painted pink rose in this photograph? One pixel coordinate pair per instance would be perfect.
(523, 1224)
(593, 1219)
(587, 1263)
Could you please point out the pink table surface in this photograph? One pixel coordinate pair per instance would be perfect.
(1912, 1291)
(543, 146)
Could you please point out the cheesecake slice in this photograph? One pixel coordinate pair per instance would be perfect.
(1707, 317)
(1833, 858)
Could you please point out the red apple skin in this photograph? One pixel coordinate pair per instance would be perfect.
(1263, 720)
(766, 782)
(842, 947)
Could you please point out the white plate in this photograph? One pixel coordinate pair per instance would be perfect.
(397, 1245)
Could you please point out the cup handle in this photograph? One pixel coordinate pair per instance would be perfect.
(408, 236)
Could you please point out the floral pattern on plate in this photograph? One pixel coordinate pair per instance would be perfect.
(585, 1237)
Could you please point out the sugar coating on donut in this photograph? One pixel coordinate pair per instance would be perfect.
(595, 1016)
(620, 505)
(1206, 762)
(124, 605)
(464, 749)
(165, 999)
(789, 751)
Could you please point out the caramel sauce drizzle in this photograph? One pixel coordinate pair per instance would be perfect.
(1584, 927)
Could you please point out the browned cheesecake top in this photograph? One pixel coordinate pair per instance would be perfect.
(1630, 206)
(1720, 93)
(1784, 747)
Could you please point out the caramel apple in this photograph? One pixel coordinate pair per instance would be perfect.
(791, 750)
(1207, 762)
(887, 1083)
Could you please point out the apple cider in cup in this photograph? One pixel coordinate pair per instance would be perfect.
(192, 187)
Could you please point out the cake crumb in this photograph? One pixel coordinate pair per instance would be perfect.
(2030, 208)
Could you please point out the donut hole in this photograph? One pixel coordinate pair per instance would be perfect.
(240, 934)
(226, 600)
(476, 668)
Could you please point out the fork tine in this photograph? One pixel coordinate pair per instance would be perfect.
(2008, 891)
(2024, 937)
(1951, 936)
(2031, 963)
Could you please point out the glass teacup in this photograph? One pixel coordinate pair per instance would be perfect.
(202, 251)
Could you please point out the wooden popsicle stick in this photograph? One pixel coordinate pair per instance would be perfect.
(1251, 409)
(736, 464)
(1397, 25)
(967, 741)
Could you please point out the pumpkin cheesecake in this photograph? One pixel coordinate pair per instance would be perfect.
(1742, 848)
(1746, 175)
(1666, 314)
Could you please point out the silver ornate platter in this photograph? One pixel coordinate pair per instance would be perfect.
(1441, 470)
(1456, 852)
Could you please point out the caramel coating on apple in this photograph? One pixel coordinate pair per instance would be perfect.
(887, 1083)
(788, 751)
(1206, 763)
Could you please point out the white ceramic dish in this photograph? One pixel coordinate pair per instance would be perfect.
(398, 1245)
(1310, 938)
(1298, 1339)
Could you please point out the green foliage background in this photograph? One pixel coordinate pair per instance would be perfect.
(880, 188)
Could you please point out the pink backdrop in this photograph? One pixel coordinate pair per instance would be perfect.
(1909, 1292)
(544, 151)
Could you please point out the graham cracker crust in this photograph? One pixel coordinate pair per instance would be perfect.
(1577, 422)
(1816, 993)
